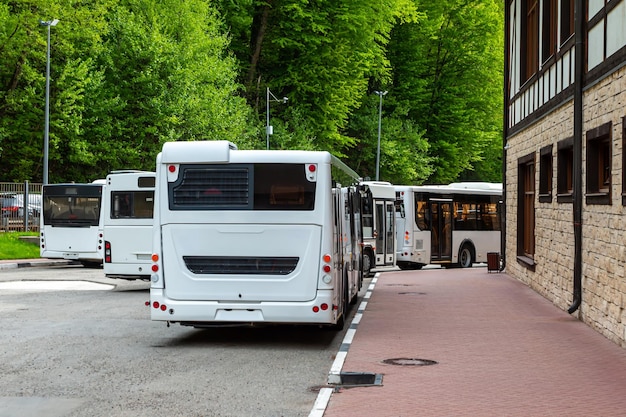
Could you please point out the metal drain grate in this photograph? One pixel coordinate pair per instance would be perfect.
(360, 379)
(409, 362)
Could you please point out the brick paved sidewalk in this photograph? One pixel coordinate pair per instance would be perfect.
(501, 350)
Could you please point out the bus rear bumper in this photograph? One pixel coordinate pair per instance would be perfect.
(197, 313)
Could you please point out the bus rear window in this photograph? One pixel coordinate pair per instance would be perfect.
(242, 187)
(132, 204)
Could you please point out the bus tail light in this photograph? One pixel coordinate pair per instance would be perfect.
(407, 237)
(326, 259)
(107, 251)
(158, 306)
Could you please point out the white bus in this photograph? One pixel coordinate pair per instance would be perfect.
(128, 206)
(451, 225)
(71, 222)
(379, 225)
(253, 237)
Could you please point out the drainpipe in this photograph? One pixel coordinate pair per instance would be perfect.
(505, 134)
(578, 139)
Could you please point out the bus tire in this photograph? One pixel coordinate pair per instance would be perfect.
(368, 261)
(344, 307)
(466, 256)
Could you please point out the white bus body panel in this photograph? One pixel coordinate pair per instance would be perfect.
(221, 240)
(73, 243)
(131, 249)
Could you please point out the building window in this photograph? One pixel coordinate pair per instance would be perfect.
(567, 20)
(526, 210)
(548, 29)
(565, 171)
(530, 38)
(545, 175)
(599, 165)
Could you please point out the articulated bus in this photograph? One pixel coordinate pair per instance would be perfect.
(379, 224)
(128, 206)
(451, 225)
(247, 237)
(71, 223)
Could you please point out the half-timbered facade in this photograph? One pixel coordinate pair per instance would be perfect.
(565, 176)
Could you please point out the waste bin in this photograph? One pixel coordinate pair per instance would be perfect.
(493, 262)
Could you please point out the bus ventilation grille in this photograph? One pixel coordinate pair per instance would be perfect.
(239, 265)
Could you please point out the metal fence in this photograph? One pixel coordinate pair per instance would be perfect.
(21, 206)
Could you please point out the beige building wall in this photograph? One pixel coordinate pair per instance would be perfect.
(604, 226)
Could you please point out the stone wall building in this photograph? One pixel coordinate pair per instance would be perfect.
(565, 131)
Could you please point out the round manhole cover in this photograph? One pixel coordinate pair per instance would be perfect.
(409, 362)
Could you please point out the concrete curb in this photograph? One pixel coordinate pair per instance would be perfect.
(28, 263)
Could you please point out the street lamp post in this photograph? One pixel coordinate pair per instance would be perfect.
(380, 112)
(46, 128)
(269, 130)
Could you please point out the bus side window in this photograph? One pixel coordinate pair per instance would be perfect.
(422, 217)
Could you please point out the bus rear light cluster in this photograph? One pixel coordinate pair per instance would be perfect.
(322, 307)
(407, 237)
(107, 251)
(158, 306)
(326, 268)
(326, 259)
(155, 265)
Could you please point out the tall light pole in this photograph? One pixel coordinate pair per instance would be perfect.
(46, 128)
(269, 130)
(380, 113)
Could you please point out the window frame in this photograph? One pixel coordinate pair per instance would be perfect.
(530, 39)
(546, 165)
(526, 211)
(599, 165)
(566, 15)
(549, 26)
(565, 171)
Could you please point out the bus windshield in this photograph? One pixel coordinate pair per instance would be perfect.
(72, 206)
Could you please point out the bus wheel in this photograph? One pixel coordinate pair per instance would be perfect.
(465, 257)
(344, 308)
(367, 264)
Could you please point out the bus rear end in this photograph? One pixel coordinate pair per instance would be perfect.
(240, 237)
(71, 226)
(128, 212)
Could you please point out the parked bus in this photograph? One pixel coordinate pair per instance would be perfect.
(379, 225)
(128, 208)
(71, 223)
(451, 225)
(253, 236)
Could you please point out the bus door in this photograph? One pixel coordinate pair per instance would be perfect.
(441, 230)
(386, 233)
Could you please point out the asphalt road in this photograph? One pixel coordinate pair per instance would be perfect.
(93, 351)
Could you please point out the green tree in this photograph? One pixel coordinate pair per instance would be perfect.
(447, 70)
(23, 44)
(126, 75)
(167, 68)
(321, 55)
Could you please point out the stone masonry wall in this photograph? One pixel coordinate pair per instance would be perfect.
(604, 226)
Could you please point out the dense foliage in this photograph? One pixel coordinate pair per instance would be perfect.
(128, 75)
